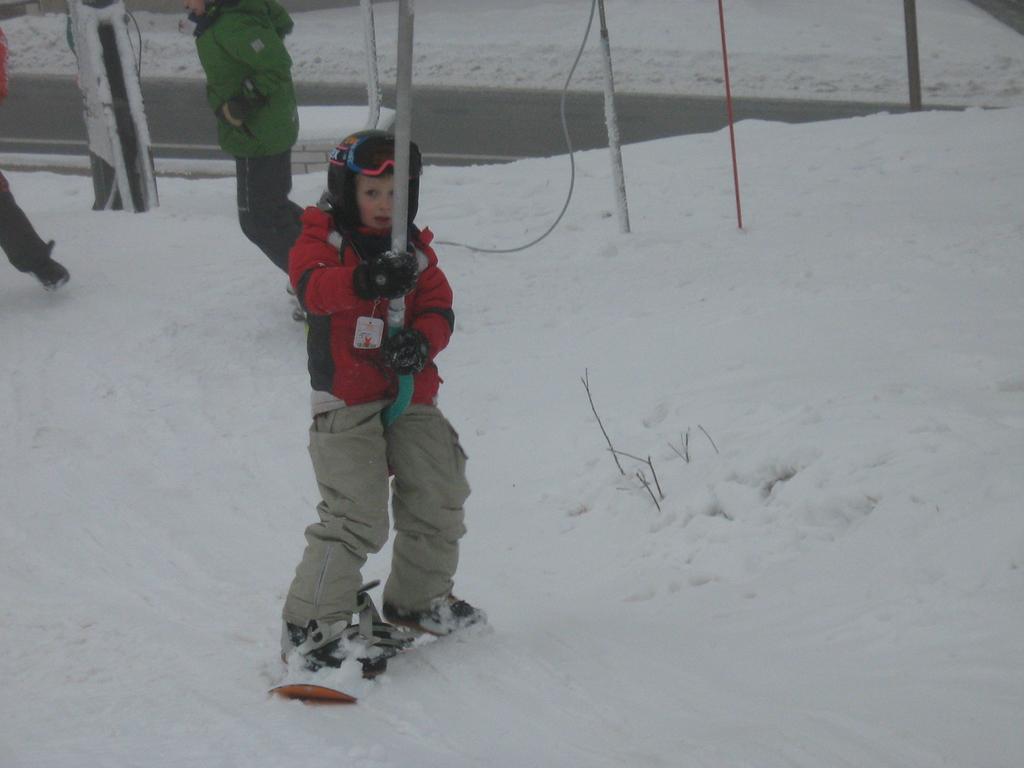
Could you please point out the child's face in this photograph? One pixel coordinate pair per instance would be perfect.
(198, 7)
(374, 197)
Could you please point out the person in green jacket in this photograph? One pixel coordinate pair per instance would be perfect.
(249, 88)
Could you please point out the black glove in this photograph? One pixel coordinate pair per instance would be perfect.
(236, 110)
(406, 351)
(387, 276)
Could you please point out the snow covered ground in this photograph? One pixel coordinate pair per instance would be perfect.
(829, 49)
(834, 577)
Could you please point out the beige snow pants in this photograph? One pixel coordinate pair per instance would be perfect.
(352, 453)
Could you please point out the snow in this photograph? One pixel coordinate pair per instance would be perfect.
(321, 123)
(834, 578)
(823, 50)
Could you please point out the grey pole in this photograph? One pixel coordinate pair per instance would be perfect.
(403, 126)
(120, 148)
(372, 78)
(400, 207)
(611, 119)
(913, 61)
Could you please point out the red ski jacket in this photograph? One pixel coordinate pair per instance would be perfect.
(322, 278)
(3, 66)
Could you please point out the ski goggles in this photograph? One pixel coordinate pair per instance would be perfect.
(374, 155)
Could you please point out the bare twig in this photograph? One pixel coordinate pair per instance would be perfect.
(655, 476)
(685, 453)
(640, 476)
(630, 456)
(586, 386)
(646, 461)
(709, 438)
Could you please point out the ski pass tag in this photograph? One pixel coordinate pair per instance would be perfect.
(369, 332)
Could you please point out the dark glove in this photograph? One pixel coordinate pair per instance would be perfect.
(386, 276)
(406, 351)
(235, 111)
(238, 109)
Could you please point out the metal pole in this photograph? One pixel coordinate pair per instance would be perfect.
(611, 119)
(119, 142)
(400, 208)
(913, 61)
(372, 79)
(403, 127)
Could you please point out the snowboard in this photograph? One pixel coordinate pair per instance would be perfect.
(313, 694)
(344, 685)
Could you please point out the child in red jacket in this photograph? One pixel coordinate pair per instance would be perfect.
(344, 276)
(24, 248)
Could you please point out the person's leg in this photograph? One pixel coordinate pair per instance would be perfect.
(348, 451)
(24, 248)
(18, 237)
(429, 491)
(267, 216)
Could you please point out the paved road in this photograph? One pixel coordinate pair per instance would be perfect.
(454, 125)
(1010, 12)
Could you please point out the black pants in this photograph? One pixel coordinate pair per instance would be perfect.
(268, 218)
(18, 238)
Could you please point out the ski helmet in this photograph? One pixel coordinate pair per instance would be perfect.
(367, 153)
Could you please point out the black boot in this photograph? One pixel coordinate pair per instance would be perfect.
(50, 273)
(366, 636)
(444, 616)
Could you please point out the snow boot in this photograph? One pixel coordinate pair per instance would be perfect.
(366, 638)
(50, 273)
(444, 616)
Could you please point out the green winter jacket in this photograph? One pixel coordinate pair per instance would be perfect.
(241, 48)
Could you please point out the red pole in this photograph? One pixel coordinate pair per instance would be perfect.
(732, 130)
